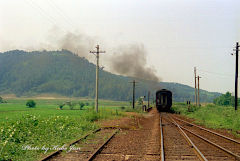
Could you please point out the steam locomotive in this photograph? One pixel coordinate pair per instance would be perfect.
(163, 100)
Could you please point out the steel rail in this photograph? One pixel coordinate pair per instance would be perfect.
(97, 151)
(238, 142)
(162, 143)
(199, 153)
(74, 142)
(212, 143)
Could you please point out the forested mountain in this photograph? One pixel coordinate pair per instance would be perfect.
(62, 72)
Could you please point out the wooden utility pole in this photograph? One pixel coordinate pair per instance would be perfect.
(195, 77)
(96, 53)
(198, 91)
(133, 99)
(153, 99)
(236, 77)
(148, 99)
(133, 94)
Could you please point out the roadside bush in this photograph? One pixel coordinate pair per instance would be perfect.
(70, 104)
(81, 105)
(140, 101)
(2, 100)
(130, 102)
(31, 103)
(61, 106)
(192, 108)
(92, 116)
(224, 100)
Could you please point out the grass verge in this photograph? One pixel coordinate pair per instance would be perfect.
(212, 116)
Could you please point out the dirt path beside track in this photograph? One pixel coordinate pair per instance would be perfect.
(138, 140)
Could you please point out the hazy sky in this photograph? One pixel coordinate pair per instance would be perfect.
(177, 34)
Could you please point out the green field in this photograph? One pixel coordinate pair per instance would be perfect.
(212, 116)
(47, 125)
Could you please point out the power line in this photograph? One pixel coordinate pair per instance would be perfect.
(60, 12)
(44, 14)
(221, 74)
(67, 17)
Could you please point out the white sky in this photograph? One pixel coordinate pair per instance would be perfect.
(177, 34)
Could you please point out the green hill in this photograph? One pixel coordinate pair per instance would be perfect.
(62, 72)
(183, 92)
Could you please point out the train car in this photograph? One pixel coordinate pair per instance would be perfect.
(163, 100)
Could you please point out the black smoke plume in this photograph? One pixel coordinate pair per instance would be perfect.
(131, 61)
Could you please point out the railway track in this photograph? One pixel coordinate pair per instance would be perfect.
(207, 144)
(175, 144)
(179, 140)
(89, 146)
(223, 143)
